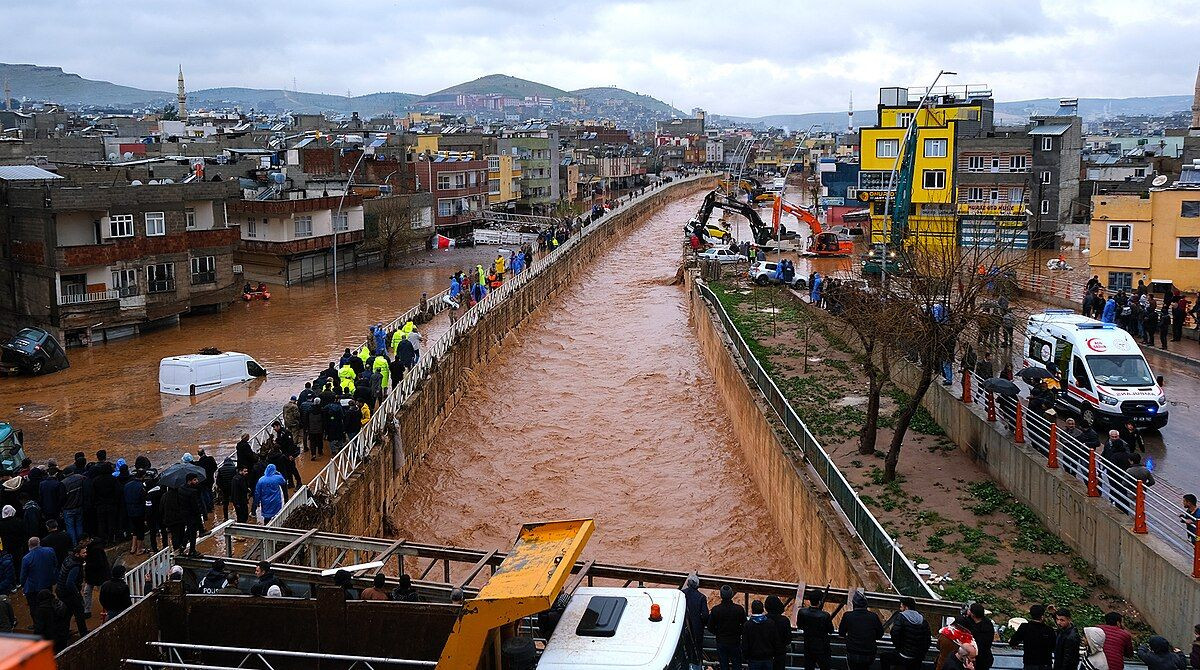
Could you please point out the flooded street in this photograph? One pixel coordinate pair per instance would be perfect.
(602, 406)
(109, 399)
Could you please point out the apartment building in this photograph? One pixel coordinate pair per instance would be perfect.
(992, 188)
(1057, 144)
(536, 146)
(287, 240)
(94, 262)
(459, 184)
(504, 181)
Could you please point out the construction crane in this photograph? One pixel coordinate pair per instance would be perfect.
(827, 244)
(764, 235)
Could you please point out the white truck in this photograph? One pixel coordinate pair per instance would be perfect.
(1104, 376)
(611, 628)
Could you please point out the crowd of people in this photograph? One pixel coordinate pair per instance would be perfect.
(1048, 638)
(1141, 314)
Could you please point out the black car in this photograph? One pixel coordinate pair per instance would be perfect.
(33, 351)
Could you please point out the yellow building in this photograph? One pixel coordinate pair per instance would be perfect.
(1145, 237)
(425, 143)
(955, 114)
(504, 179)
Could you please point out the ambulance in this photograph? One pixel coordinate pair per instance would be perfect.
(1101, 369)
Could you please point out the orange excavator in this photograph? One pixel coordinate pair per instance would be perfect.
(826, 244)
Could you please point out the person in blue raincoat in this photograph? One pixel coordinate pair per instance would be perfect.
(1110, 311)
(268, 494)
(815, 295)
(380, 337)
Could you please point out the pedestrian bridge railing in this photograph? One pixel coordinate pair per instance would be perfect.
(891, 559)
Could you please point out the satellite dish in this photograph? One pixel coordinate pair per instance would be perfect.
(112, 156)
(135, 182)
(168, 181)
(153, 182)
(1160, 180)
(127, 155)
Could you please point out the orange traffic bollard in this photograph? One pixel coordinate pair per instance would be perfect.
(966, 396)
(1093, 477)
(1052, 460)
(991, 406)
(1196, 560)
(1139, 510)
(1019, 424)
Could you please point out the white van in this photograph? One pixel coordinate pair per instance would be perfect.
(193, 374)
(1105, 376)
(611, 628)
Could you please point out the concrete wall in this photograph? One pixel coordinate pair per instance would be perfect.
(363, 503)
(821, 546)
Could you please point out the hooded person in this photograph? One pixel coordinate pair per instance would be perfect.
(911, 638)
(214, 580)
(380, 365)
(1157, 654)
(1094, 658)
(695, 617)
(862, 630)
(725, 622)
(273, 591)
(268, 493)
(783, 631)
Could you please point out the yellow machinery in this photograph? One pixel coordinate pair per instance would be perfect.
(527, 582)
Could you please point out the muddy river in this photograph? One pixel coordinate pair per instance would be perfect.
(602, 407)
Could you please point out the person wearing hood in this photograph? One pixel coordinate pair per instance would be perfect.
(725, 622)
(380, 367)
(114, 593)
(911, 638)
(345, 359)
(1157, 654)
(266, 579)
(482, 275)
(760, 638)
(12, 532)
(214, 580)
(51, 620)
(406, 354)
(268, 494)
(695, 617)
(817, 625)
(76, 497)
(862, 629)
(1109, 315)
(1094, 657)
(783, 630)
(380, 337)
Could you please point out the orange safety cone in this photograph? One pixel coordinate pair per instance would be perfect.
(966, 396)
(1093, 476)
(1019, 424)
(1052, 459)
(1139, 510)
(991, 406)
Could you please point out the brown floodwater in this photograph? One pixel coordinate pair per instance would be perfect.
(109, 399)
(602, 406)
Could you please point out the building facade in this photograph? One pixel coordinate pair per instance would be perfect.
(290, 240)
(459, 184)
(992, 189)
(504, 181)
(1057, 143)
(536, 146)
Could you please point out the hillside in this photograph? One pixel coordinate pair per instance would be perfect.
(503, 84)
(279, 100)
(37, 82)
(605, 95)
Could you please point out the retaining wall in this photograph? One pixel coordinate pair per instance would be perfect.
(363, 503)
(822, 547)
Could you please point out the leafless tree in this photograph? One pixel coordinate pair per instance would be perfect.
(391, 223)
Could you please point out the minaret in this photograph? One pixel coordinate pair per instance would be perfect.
(1196, 103)
(7, 96)
(850, 115)
(181, 98)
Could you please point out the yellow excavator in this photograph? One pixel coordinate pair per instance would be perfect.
(748, 184)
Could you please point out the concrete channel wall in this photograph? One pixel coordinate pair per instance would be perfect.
(822, 546)
(1142, 568)
(364, 502)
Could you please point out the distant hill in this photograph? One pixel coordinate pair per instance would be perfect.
(503, 84)
(279, 100)
(39, 83)
(602, 95)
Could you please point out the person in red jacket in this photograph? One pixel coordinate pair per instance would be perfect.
(1118, 643)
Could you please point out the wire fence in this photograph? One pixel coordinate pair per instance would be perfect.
(1160, 516)
(882, 546)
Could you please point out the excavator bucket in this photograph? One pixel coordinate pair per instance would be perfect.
(527, 582)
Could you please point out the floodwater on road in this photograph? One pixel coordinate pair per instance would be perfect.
(109, 399)
(602, 406)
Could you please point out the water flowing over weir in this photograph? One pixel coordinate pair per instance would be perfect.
(601, 405)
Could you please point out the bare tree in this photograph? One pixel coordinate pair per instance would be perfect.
(389, 225)
(868, 317)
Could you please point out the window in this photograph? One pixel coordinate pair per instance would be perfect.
(933, 179)
(474, 177)
(975, 194)
(443, 182)
(189, 218)
(1120, 236)
(303, 226)
(125, 280)
(995, 163)
(1046, 176)
(460, 180)
(422, 218)
(1189, 247)
(493, 163)
(1080, 373)
(975, 163)
(204, 270)
(1120, 280)
(156, 224)
(251, 228)
(887, 148)
(904, 120)
(935, 148)
(994, 196)
(1015, 195)
(1188, 209)
(341, 222)
(1139, 173)
(120, 225)
(1019, 163)
(1047, 144)
(494, 186)
(1045, 207)
(160, 278)
(446, 207)
(1040, 350)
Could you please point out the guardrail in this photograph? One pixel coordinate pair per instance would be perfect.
(149, 574)
(1149, 510)
(891, 559)
(94, 296)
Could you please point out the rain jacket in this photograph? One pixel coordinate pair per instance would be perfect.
(268, 493)
(381, 366)
(346, 372)
(499, 265)
(364, 354)
(482, 276)
(1110, 312)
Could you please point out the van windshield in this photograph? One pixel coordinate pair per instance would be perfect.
(1126, 370)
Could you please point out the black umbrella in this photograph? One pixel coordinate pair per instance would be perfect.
(176, 475)
(1000, 385)
(1033, 374)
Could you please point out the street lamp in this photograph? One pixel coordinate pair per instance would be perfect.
(338, 214)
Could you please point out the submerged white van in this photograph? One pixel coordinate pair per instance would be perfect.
(193, 374)
(612, 629)
(1102, 370)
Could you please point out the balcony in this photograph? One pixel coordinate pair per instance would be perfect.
(112, 251)
(301, 246)
(85, 298)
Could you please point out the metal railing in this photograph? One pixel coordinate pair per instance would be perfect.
(93, 296)
(891, 559)
(1159, 515)
(149, 574)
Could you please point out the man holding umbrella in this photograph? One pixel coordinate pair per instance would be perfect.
(183, 512)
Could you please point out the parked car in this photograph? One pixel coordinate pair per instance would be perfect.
(763, 273)
(721, 255)
(12, 451)
(33, 351)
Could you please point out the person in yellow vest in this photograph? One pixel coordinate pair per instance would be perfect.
(348, 385)
(499, 267)
(380, 365)
(364, 354)
(346, 372)
(482, 275)
(400, 334)
(365, 411)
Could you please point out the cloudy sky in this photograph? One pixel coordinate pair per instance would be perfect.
(742, 57)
